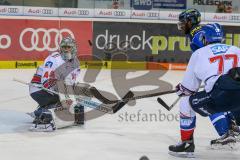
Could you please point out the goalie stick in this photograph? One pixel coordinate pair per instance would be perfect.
(105, 100)
(89, 103)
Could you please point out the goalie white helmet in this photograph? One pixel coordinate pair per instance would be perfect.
(68, 48)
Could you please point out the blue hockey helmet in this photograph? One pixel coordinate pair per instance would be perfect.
(192, 15)
(210, 33)
(213, 33)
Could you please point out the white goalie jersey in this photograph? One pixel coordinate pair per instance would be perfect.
(55, 69)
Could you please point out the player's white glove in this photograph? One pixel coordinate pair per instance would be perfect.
(182, 91)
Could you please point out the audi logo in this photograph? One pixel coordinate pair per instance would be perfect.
(152, 14)
(119, 13)
(5, 41)
(46, 39)
(13, 10)
(235, 18)
(83, 12)
(47, 11)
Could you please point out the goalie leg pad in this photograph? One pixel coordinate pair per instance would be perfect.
(79, 114)
(63, 115)
(60, 116)
(44, 122)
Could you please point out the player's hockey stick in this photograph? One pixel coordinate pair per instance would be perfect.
(89, 103)
(35, 85)
(160, 101)
(124, 101)
(105, 100)
(164, 104)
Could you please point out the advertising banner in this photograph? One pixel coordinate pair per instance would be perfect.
(172, 4)
(141, 4)
(113, 13)
(35, 39)
(11, 10)
(215, 6)
(156, 4)
(76, 12)
(169, 15)
(232, 35)
(40, 11)
(143, 14)
(222, 17)
(147, 42)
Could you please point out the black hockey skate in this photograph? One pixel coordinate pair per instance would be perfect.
(236, 130)
(226, 141)
(183, 149)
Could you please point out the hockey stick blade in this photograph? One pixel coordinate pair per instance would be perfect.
(122, 103)
(161, 102)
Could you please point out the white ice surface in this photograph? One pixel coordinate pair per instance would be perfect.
(106, 138)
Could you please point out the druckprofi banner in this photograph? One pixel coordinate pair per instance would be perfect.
(147, 41)
(150, 42)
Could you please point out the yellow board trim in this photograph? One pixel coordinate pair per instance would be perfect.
(100, 65)
(112, 65)
(19, 64)
(83, 65)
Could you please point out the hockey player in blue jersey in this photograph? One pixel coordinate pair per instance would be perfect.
(189, 21)
(217, 66)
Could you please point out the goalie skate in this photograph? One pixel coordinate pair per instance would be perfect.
(44, 123)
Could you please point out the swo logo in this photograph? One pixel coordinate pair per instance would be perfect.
(119, 13)
(46, 39)
(83, 12)
(13, 10)
(7, 39)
